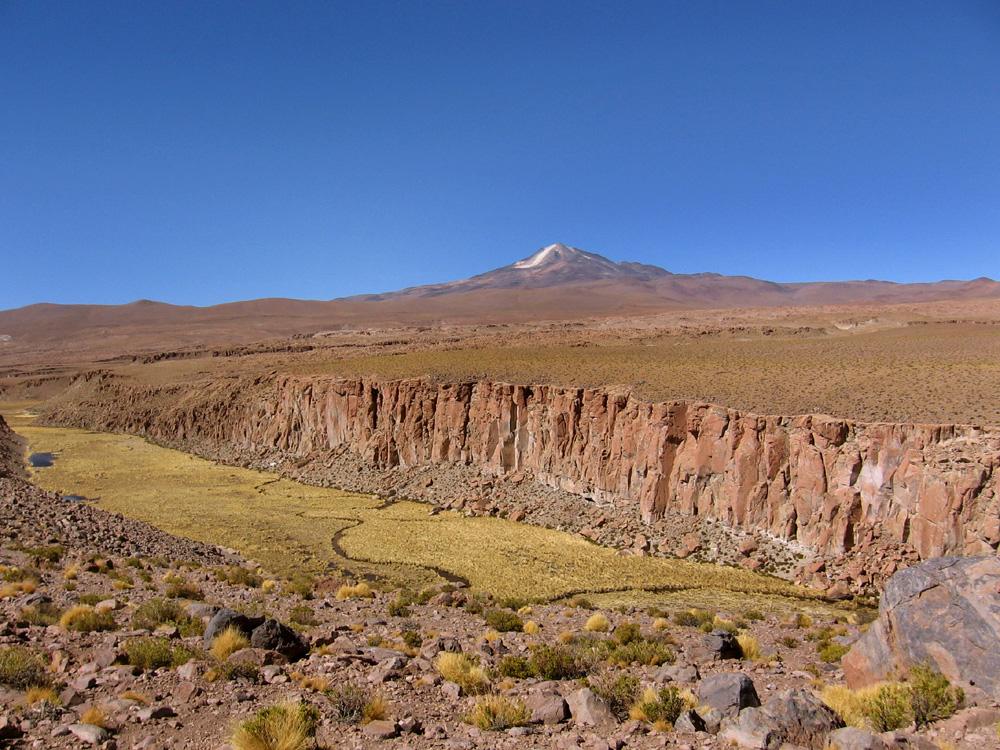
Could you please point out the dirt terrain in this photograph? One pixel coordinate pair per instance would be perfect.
(151, 641)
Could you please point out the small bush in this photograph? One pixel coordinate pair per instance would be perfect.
(85, 619)
(497, 713)
(659, 708)
(358, 591)
(618, 691)
(753, 615)
(932, 697)
(303, 614)
(43, 613)
(504, 621)
(463, 671)
(889, 708)
(831, 651)
(184, 590)
(239, 576)
(789, 641)
(22, 669)
(661, 623)
(302, 585)
(228, 642)
(348, 702)
(412, 638)
(556, 663)
(597, 623)
(532, 628)
(156, 612)
(627, 632)
(515, 666)
(155, 653)
(398, 608)
(694, 618)
(287, 727)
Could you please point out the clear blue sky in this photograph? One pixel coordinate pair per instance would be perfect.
(199, 152)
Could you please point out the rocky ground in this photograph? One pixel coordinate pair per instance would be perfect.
(117, 622)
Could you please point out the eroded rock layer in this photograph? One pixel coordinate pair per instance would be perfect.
(826, 483)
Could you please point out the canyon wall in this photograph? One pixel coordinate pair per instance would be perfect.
(817, 480)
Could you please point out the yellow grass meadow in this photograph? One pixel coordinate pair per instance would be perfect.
(289, 527)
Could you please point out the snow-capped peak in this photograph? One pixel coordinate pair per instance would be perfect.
(547, 253)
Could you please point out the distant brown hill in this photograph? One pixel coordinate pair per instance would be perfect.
(555, 283)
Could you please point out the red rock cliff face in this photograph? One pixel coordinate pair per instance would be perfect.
(817, 480)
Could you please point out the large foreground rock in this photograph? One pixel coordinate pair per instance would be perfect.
(792, 717)
(945, 612)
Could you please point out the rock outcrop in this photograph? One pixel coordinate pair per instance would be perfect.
(944, 612)
(830, 484)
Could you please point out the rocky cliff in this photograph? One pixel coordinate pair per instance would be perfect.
(828, 484)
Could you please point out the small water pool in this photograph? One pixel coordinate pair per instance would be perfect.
(41, 460)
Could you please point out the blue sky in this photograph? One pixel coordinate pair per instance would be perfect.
(200, 152)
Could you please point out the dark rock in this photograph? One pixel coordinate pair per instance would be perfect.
(547, 708)
(721, 644)
(274, 636)
(726, 694)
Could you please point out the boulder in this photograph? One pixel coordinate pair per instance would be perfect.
(588, 709)
(852, 738)
(228, 618)
(726, 694)
(547, 708)
(274, 636)
(792, 717)
(945, 612)
(89, 733)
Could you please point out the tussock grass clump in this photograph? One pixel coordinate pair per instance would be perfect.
(504, 621)
(750, 647)
(16, 588)
(463, 671)
(22, 669)
(661, 623)
(83, 618)
(557, 662)
(95, 716)
(532, 628)
(228, 642)
(597, 623)
(156, 653)
(286, 727)
(659, 707)
(496, 713)
(34, 696)
(358, 591)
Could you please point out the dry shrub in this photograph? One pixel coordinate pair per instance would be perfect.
(750, 647)
(83, 618)
(659, 708)
(532, 628)
(95, 716)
